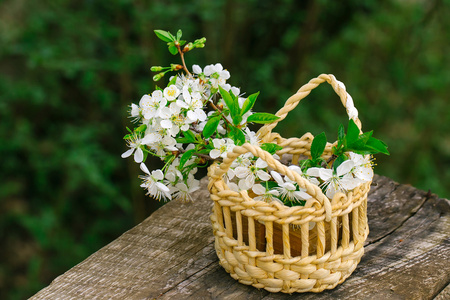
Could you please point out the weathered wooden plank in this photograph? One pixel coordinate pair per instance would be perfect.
(444, 294)
(168, 247)
(171, 255)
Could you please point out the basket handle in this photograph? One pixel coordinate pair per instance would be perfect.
(312, 189)
(265, 131)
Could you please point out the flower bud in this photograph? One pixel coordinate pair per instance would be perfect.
(156, 69)
(200, 41)
(158, 76)
(199, 45)
(188, 47)
(175, 67)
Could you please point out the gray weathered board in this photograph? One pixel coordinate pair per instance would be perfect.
(171, 255)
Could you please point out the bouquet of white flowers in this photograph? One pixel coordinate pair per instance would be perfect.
(292, 227)
(199, 117)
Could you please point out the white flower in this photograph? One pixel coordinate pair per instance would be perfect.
(264, 194)
(184, 190)
(151, 105)
(221, 147)
(251, 137)
(172, 120)
(134, 142)
(153, 185)
(218, 75)
(307, 176)
(248, 175)
(166, 143)
(341, 180)
(232, 186)
(194, 104)
(171, 92)
(151, 138)
(362, 167)
(288, 188)
(135, 112)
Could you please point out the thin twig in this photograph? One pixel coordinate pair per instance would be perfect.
(220, 112)
(182, 59)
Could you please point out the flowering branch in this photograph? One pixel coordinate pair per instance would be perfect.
(175, 124)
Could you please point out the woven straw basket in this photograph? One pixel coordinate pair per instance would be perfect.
(289, 249)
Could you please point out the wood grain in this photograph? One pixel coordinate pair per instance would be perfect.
(171, 255)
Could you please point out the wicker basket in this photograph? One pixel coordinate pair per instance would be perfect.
(289, 249)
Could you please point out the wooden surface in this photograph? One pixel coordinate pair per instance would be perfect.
(171, 256)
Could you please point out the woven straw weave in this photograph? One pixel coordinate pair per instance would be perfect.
(289, 249)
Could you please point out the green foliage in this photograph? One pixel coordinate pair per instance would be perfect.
(355, 141)
(271, 147)
(318, 146)
(69, 71)
(211, 126)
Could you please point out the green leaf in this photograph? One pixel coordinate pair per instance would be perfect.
(163, 35)
(318, 146)
(205, 151)
(172, 81)
(172, 36)
(249, 102)
(262, 118)
(360, 142)
(128, 136)
(211, 126)
(189, 135)
(173, 49)
(237, 136)
(237, 119)
(185, 157)
(271, 147)
(141, 128)
(269, 184)
(352, 132)
(129, 130)
(377, 145)
(179, 34)
(229, 101)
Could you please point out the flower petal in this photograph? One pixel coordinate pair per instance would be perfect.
(138, 155)
(158, 174)
(144, 168)
(214, 153)
(264, 176)
(196, 69)
(127, 153)
(260, 163)
(258, 189)
(345, 167)
(277, 177)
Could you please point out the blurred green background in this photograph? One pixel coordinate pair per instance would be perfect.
(69, 68)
